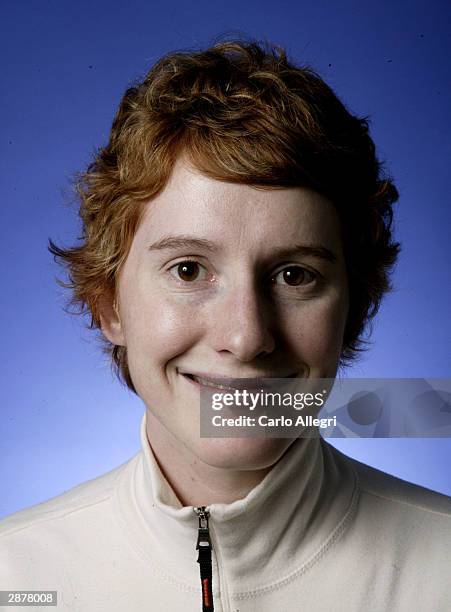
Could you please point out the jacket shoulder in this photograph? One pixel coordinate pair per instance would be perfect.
(79, 498)
(393, 495)
(379, 484)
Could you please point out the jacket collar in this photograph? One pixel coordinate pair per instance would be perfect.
(300, 508)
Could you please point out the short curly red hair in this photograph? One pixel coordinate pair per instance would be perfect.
(242, 113)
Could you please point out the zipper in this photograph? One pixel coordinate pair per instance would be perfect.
(204, 559)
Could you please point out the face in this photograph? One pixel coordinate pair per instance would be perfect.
(216, 284)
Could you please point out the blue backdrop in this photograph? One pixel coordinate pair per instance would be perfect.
(64, 418)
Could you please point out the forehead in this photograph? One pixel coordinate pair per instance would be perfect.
(241, 216)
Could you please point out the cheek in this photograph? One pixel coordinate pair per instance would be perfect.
(316, 329)
(157, 329)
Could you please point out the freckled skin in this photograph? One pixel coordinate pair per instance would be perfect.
(230, 319)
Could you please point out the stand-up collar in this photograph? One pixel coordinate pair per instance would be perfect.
(280, 528)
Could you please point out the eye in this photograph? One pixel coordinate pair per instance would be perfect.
(294, 276)
(187, 271)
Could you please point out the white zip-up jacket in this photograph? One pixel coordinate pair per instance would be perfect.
(321, 533)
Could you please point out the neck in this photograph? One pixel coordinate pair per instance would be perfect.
(194, 482)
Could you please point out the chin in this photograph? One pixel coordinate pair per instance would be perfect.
(241, 453)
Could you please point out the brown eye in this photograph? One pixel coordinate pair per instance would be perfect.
(188, 270)
(294, 276)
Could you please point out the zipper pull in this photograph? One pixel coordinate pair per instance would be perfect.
(204, 559)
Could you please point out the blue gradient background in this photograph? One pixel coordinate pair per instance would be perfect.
(64, 418)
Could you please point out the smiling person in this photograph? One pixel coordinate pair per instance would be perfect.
(236, 225)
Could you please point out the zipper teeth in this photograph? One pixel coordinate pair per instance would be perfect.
(204, 559)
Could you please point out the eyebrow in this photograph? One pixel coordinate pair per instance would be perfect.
(190, 242)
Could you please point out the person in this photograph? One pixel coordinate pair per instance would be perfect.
(238, 224)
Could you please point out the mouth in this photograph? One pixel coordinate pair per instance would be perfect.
(224, 383)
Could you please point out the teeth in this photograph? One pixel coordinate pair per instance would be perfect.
(217, 385)
(208, 383)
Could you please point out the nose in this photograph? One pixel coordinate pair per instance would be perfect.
(242, 325)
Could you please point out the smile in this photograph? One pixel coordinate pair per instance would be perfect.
(231, 384)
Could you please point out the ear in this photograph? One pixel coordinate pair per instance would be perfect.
(110, 320)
